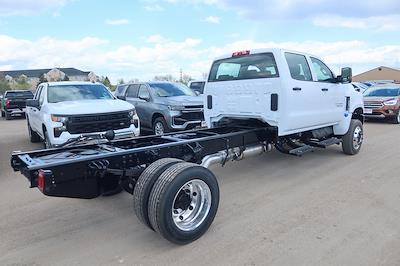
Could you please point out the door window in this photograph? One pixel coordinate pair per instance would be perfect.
(132, 91)
(38, 91)
(144, 92)
(298, 67)
(41, 97)
(324, 74)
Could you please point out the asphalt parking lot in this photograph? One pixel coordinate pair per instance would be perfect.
(324, 208)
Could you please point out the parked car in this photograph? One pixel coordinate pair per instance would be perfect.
(63, 111)
(383, 102)
(361, 87)
(197, 86)
(13, 103)
(164, 106)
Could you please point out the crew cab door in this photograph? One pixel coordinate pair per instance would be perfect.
(243, 86)
(332, 93)
(303, 97)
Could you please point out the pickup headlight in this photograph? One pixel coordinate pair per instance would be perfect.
(175, 107)
(56, 118)
(132, 113)
(390, 102)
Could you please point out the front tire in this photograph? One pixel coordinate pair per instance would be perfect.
(353, 139)
(396, 120)
(46, 140)
(159, 126)
(183, 202)
(33, 136)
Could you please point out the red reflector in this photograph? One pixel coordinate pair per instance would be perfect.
(40, 180)
(8, 103)
(241, 53)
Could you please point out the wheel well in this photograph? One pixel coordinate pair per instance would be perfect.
(155, 116)
(358, 114)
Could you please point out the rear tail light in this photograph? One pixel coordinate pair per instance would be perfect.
(41, 177)
(8, 102)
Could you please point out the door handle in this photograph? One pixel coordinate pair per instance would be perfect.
(297, 89)
(324, 89)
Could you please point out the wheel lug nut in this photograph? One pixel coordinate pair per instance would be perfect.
(181, 217)
(190, 207)
(175, 211)
(194, 194)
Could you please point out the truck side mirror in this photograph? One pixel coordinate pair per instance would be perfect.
(346, 75)
(121, 97)
(144, 97)
(33, 103)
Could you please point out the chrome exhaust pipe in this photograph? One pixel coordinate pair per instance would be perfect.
(234, 154)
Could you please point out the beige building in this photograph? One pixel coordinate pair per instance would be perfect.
(35, 76)
(379, 73)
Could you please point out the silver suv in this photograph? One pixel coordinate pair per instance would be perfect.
(163, 106)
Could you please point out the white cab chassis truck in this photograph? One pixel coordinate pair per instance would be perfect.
(253, 101)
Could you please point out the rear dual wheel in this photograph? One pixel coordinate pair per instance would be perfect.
(182, 203)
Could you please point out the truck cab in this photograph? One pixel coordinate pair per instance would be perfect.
(291, 91)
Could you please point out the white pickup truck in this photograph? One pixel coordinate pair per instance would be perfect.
(296, 93)
(64, 111)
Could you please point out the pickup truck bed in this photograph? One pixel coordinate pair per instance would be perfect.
(14, 103)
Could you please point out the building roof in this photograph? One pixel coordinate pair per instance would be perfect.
(378, 68)
(36, 73)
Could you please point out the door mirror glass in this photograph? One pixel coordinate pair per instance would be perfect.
(121, 97)
(346, 75)
(33, 103)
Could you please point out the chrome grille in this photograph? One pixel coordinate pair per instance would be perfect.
(373, 105)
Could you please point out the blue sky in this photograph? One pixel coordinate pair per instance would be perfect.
(140, 39)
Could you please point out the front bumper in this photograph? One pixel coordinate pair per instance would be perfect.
(16, 111)
(130, 132)
(382, 113)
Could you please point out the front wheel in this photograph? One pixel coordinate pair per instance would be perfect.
(160, 126)
(46, 142)
(396, 119)
(33, 136)
(183, 202)
(353, 139)
(7, 115)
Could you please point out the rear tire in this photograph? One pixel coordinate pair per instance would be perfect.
(33, 136)
(183, 202)
(144, 185)
(7, 115)
(352, 140)
(2, 113)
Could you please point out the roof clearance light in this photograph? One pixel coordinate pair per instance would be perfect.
(241, 53)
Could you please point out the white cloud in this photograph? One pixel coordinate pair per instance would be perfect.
(295, 9)
(29, 7)
(376, 23)
(154, 8)
(115, 22)
(212, 19)
(157, 38)
(163, 56)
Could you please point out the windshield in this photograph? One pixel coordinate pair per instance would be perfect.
(244, 67)
(61, 93)
(382, 92)
(171, 89)
(18, 94)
